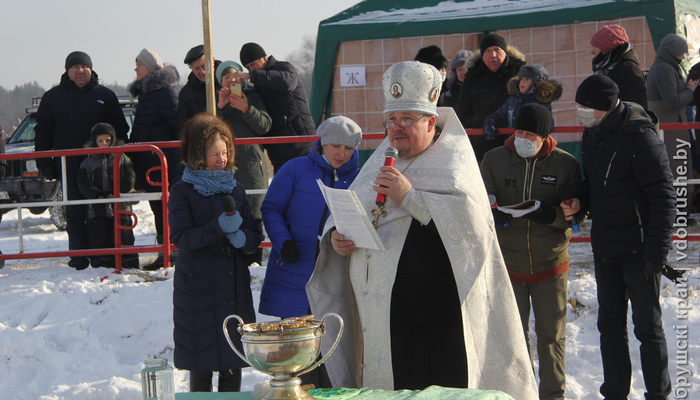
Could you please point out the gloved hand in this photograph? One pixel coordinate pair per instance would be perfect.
(230, 223)
(673, 274)
(237, 238)
(289, 253)
(49, 172)
(2, 171)
(500, 218)
(490, 130)
(652, 268)
(544, 215)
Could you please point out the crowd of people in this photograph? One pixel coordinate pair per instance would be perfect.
(452, 251)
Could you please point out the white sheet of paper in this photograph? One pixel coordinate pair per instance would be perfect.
(350, 217)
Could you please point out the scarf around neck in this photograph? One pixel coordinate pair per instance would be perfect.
(207, 182)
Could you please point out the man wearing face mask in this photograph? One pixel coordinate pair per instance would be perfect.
(628, 191)
(535, 247)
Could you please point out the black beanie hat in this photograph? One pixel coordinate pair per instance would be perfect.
(251, 52)
(102, 128)
(78, 58)
(492, 40)
(432, 55)
(597, 92)
(534, 118)
(194, 54)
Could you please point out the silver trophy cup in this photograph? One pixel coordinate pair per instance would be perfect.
(284, 349)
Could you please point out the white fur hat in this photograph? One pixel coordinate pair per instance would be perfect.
(411, 86)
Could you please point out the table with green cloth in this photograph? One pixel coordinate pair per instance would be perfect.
(430, 393)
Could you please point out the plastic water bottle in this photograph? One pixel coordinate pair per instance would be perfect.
(157, 380)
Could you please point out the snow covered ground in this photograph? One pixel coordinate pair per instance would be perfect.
(66, 334)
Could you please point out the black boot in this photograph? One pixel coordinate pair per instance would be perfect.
(230, 381)
(158, 263)
(2, 262)
(130, 261)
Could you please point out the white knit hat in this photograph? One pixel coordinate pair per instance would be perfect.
(411, 86)
(150, 59)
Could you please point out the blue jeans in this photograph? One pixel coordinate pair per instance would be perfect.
(620, 282)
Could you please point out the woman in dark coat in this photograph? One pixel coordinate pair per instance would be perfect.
(155, 120)
(211, 280)
(614, 57)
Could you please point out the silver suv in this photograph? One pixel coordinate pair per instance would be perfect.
(23, 182)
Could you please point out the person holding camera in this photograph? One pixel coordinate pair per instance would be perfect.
(244, 111)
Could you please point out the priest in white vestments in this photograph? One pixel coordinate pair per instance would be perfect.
(436, 306)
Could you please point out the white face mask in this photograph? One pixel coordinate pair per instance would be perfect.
(526, 148)
(444, 75)
(586, 117)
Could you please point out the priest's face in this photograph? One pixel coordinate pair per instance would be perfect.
(414, 139)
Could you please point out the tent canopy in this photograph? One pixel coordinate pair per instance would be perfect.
(382, 19)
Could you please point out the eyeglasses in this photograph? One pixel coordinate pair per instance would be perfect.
(404, 123)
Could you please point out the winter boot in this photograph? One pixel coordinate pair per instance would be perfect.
(130, 261)
(2, 262)
(159, 262)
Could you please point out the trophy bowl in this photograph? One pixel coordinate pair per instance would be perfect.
(284, 349)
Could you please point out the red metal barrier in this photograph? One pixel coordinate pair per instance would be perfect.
(155, 147)
(118, 251)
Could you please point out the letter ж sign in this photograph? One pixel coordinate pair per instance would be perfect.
(352, 76)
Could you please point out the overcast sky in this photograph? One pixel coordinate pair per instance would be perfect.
(37, 35)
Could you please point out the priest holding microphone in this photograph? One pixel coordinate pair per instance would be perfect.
(435, 307)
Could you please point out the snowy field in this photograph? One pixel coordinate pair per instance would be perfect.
(67, 334)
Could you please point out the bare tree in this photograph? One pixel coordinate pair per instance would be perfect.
(303, 61)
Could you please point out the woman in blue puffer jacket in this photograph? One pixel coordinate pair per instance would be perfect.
(294, 213)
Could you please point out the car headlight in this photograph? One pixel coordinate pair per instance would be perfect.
(30, 169)
(30, 166)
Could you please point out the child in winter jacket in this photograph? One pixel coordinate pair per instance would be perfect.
(95, 181)
(531, 85)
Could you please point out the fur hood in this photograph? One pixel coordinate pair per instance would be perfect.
(511, 51)
(545, 91)
(164, 77)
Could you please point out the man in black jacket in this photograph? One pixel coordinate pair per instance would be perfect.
(65, 117)
(283, 93)
(485, 87)
(629, 192)
(192, 99)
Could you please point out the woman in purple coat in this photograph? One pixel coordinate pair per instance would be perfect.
(212, 225)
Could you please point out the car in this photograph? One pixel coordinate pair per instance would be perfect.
(24, 182)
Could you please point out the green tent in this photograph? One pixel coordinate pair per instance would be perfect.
(381, 19)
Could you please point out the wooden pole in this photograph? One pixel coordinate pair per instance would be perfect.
(208, 58)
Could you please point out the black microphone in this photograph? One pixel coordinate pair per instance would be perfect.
(229, 205)
(391, 153)
(566, 194)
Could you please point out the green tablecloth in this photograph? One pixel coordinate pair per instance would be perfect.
(431, 393)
